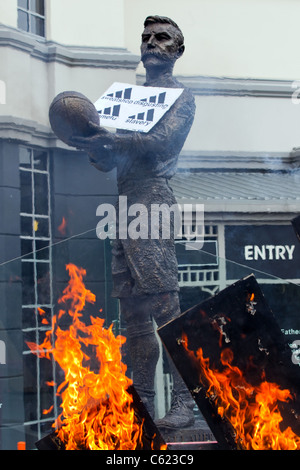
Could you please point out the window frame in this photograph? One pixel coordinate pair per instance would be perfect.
(32, 14)
(35, 390)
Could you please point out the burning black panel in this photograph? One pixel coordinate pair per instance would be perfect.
(50, 442)
(239, 319)
(151, 437)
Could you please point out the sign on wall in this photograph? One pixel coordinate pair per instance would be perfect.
(271, 249)
(135, 108)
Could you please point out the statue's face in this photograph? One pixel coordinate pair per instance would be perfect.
(160, 45)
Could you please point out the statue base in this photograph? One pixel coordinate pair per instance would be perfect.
(196, 437)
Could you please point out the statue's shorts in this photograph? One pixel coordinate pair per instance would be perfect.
(143, 253)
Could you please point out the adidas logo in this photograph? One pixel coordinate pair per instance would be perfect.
(146, 117)
(120, 96)
(149, 116)
(110, 113)
(156, 99)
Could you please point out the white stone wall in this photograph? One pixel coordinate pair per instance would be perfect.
(88, 46)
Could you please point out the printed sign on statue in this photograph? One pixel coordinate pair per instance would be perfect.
(133, 107)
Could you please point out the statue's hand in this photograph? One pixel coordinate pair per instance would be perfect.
(98, 138)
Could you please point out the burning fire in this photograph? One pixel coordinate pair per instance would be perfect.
(97, 412)
(252, 410)
(63, 227)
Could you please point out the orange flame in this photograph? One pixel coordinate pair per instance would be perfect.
(252, 410)
(97, 412)
(63, 227)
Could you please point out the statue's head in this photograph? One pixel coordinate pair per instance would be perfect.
(162, 42)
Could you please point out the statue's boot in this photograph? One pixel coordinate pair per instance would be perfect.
(181, 412)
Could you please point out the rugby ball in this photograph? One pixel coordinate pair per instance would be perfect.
(69, 115)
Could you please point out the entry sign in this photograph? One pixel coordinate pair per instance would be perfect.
(270, 249)
(133, 107)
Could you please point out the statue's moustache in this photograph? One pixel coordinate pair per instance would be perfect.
(159, 55)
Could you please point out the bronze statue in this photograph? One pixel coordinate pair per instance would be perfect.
(145, 272)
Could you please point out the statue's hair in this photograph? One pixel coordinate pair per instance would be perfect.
(165, 20)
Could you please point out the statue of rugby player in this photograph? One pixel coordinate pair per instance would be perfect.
(145, 272)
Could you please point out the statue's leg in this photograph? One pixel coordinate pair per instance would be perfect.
(166, 307)
(145, 280)
(143, 347)
(144, 352)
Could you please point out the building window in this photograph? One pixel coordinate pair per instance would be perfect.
(37, 293)
(31, 16)
(199, 267)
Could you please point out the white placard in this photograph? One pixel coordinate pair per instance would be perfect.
(133, 107)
